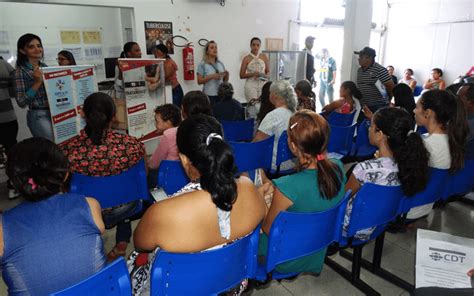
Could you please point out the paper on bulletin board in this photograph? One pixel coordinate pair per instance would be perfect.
(76, 52)
(5, 54)
(91, 37)
(70, 37)
(93, 53)
(50, 54)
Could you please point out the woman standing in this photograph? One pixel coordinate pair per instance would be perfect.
(161, 52)
(66, 58)
(211, 72)
(30, 90)
(254, 68)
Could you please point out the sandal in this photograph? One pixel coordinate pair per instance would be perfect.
(118, 251)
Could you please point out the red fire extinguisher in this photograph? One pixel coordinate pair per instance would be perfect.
(188, 62)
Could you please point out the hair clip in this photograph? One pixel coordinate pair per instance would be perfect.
(320, 156)
(410, 132)
(293, 125)
(32, 183)
(212, 136)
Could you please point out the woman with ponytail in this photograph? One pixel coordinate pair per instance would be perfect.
(317, 186)
(52, 240)
(402, 159)
(445, 118)
(99, 151)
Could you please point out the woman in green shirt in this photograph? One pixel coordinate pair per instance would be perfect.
(316, 187)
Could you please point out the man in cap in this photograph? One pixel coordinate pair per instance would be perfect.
(373, 81)
(309, 43)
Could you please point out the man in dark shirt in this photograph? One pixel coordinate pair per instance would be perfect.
(227, 108)
(309, 43)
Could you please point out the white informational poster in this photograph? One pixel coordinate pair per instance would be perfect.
(144, 88)
(443, 260)
(67, 87)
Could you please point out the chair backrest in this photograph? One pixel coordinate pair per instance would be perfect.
(114, 190)
(362, 146)
(207, 272)
(283, 150)
(374, 205)
(417, 91)
(462, 181)
(255, 155)
(340, 139)
(171, 176)
(434, 190)
(339, 119)
(113, 280)
(294, 235)
(238, 130)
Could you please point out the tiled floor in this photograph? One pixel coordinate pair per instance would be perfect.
(399, 254)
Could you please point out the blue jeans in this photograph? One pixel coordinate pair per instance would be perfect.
(119, 216)
(325, 87)
(39, 123)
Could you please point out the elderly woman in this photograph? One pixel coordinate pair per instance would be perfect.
(228, 108)
(283, 97)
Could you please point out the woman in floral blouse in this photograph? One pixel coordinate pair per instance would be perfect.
(99, 151)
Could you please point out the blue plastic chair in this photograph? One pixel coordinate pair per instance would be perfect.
(205, 273)
(113, 280)
(417, 91)
(362, 147)
(283, 154)
(341, 138)
(114, 190)
(435, 190)
(238, 130)
(339, 119)
(295, 235)
(374, 206)
(421, 130)
(252, 156)
(171, 176)
(461, 182)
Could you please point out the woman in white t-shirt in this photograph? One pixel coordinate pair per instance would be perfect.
(402, 159)
(283, 97)
(445, 118)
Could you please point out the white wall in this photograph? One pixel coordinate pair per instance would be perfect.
(425, 34)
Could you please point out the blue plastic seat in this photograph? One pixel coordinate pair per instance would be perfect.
(171, 176)
(462, 181)
(114, 190)
(113, 280)
(283, 154)
(238, 130)
(374, 206)
(205, 273)
(294, 235)
(341, 138)
(421, 130)
(252, 156)
(362, 147)
(417, 91)
(339, 119)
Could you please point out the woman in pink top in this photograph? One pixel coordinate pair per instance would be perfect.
(167, 119)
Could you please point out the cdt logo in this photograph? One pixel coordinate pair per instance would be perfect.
(447, 256)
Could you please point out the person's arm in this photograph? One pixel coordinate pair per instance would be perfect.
(412, 84)
(25, 95)
(279, 203)
(352, 184)
(334, 78)
(160, 153)
(259, 136)
(389, 87)
(264, 57)
(96, 213)
(243, 69)
(332, 106)
(442, 84)
(226, 76)
(170, 69)
(145, 236)
(367, 112)
(428, 84)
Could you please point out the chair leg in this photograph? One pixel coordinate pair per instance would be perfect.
(375, 266)
(354, 276)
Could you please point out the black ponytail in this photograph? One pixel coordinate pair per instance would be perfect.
(211, 156)
(407, 147)
(99, 110)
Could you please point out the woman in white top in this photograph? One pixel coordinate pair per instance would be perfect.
(445, 118)
(254, 68)
(211, 72)
(408, 79)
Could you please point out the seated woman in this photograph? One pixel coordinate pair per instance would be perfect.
(403, 97)
(401, 158)
(318, 186)
(214, 209)
(283, 97)
(167, 120)
(349, 101)
(99, 151)
(305, 95)
(435, 82)
(227, 108)
(52, 240)
(266, 105)
(408, 79)
(195, 102)
(444, 116)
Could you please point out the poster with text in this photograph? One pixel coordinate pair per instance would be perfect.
(159, 33)
(144, 87)
(67, 88)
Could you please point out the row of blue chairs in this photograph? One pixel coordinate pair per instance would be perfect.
(341, 140)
